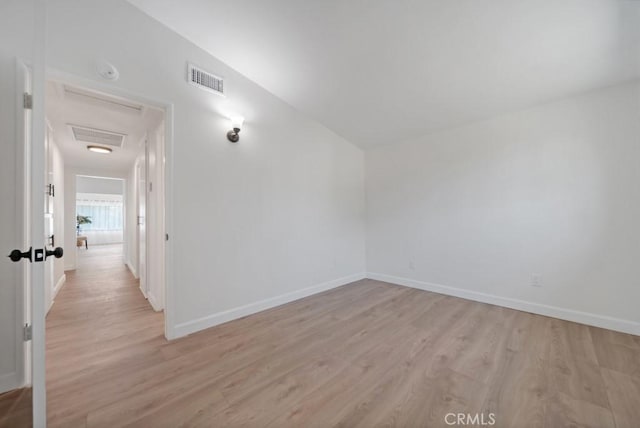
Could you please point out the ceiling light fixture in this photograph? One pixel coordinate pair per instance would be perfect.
(236, 125)
(99, 149)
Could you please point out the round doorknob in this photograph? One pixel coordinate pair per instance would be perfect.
(17, 255)
(57, 253)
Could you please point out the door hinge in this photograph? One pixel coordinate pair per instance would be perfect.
(27, 99)
(27, 332)
(150, 186)
(51, 190)
(166, 236)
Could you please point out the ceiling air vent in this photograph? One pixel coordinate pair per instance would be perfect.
(97, 136)
(205, 80)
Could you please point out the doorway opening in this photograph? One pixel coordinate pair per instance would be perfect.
(105, 157)
(95, 307)
(105, 168)
(100, 215)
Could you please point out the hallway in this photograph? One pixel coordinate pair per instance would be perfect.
(94, 332)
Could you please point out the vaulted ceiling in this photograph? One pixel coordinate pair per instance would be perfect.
(383, 71)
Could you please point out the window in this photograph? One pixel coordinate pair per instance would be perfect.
(106, 215)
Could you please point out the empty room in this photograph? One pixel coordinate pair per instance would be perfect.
(296, 213)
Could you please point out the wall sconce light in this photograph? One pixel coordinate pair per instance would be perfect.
(236, 125)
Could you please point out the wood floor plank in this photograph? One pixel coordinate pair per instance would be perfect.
(624, 393)
(574, 370)
(15, 408)
(519, 391)
(614, 356)
(563, 411)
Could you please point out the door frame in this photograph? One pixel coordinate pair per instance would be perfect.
(141, 195)
(167, 107)
(35, 224)
(24, 80)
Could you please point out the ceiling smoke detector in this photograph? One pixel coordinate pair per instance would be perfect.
(107, 70)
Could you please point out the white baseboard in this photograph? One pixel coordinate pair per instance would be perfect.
(134, 272)
(58, 286)
(154, 302)
(56, 289)
(624, 326)
(193, 326)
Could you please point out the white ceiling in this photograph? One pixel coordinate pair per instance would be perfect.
(379, 72)
(64, 109)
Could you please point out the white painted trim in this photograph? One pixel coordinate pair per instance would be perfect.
(154, 302)
(144, 293)
(193, 326)
(58, 286)
(133, 270)
(617, 324)
(169, 280)
(56, 289)
(36, 208)
(21, 375)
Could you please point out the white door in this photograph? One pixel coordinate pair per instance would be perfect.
(34, 222)
(22, 35)
(142, 227)
(14, 304)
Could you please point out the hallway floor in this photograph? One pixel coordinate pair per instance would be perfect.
(99, 330)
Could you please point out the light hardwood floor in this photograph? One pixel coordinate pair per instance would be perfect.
(366, 354)
(15, 408)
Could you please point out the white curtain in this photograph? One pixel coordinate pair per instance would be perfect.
(107, 219)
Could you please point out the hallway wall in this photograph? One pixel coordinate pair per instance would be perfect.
(57, 178)
(277, 216)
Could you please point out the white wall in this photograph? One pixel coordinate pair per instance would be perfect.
(267, 218)
(58, 215)
(107, 186)
(70, 250)
(54, 270)
(551, 191)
